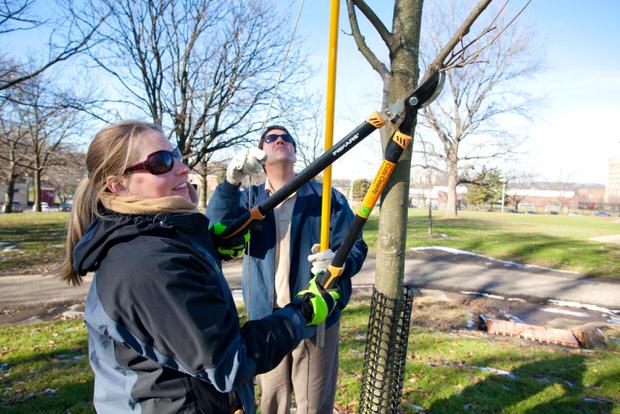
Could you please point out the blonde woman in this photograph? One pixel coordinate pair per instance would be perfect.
(163, 330)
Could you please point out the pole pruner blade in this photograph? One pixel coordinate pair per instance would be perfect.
(426, 92)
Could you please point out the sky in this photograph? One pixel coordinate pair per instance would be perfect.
(572, 136)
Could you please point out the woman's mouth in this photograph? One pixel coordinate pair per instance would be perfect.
(180, 187)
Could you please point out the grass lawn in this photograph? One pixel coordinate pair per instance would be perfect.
(35, 241)
(559, 242)
(44, 369)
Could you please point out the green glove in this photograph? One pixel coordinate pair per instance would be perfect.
(228, 248)
(316, 303)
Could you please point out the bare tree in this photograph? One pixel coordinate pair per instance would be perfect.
(201, 69)
(13, 153)
(399, 77)
(48, 125)
(429, 165)
(305, 119)
(65, 174)
(69, 36)
(468, 121)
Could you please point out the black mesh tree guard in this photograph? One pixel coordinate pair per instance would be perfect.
(386, 352)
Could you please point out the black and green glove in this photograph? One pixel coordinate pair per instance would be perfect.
(230, 248)
(316, 303)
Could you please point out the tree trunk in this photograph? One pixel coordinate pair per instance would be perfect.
(452, 180)
(451, 202)
(37, 189)
(202, 204)
(392, 236)
(9, 193)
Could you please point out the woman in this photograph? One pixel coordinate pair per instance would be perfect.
(163, 330)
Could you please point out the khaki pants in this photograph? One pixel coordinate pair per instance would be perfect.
(309, 372)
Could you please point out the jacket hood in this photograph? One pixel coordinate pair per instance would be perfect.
(113, 228)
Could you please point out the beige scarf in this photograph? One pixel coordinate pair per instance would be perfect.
(136, 205)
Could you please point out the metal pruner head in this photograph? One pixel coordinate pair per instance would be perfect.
(427, 91)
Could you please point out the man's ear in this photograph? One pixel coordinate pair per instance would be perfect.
(116, 185)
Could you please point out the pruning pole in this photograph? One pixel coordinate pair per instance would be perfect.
(329, 137)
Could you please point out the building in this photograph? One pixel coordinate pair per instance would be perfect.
(612, 191)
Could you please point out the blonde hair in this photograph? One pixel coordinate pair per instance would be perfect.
(108, 154)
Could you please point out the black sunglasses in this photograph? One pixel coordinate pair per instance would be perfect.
(274, 137)
(159, 162)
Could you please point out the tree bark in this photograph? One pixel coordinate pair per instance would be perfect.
(391, 242)
(452, 165)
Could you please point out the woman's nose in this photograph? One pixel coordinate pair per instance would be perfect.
(182, 168)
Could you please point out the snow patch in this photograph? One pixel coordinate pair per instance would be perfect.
(565, 312)
(486, 295)
(596, 308)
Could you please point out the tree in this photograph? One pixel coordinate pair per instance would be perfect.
(304, 118)
(468, 121)
(360, 188)
(48, 125)
(399, 78)
(13, 153)
(66, 38)
(432, 170)
(201, 69)
(65, 174)
(485, 188)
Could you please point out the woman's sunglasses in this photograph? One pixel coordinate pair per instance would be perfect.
(274, 137)
(159, 162)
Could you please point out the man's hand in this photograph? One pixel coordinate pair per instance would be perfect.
(316, 303)
(248, 161)
(231, 248)
(320, 260)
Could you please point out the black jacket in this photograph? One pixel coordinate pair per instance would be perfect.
(164, 334)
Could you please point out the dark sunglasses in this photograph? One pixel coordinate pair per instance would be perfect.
(274, 137)
(159, 162)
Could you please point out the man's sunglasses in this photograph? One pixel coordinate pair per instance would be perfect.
(159, 162)
(274, 137)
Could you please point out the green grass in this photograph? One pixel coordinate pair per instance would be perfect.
(38, 240)
(559, 242)
(44, 369)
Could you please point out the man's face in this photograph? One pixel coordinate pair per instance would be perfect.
(279, 151)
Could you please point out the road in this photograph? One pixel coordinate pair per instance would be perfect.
(434, 269)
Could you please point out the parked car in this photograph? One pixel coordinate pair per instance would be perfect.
(64, 207)
(601, 214)
(44, 206)
(16, 207)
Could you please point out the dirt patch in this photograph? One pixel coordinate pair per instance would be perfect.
(614, 238)
(42, 312)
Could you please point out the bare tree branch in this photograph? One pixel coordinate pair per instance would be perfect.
(70, 49)
(372, 59)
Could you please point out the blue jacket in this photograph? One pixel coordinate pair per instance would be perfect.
(163, 329)
(258, 284)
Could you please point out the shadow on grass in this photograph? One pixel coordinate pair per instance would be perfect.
(56, 381)
(546, 386)
(27, 233)
(71, 397)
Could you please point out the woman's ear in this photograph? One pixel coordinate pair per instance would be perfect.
(116, 185)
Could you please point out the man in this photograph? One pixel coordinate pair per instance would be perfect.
(277, 266)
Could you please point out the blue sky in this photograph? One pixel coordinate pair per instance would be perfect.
(574, 134)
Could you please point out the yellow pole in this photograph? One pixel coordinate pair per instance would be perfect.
(329, 120)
